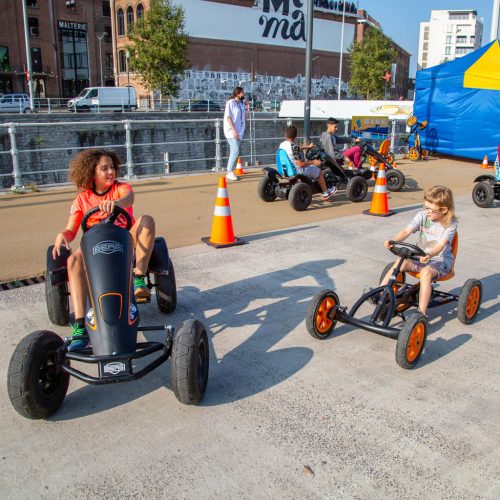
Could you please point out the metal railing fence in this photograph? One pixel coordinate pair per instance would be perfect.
(38, 153)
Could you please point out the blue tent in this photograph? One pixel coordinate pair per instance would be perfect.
(461, 101)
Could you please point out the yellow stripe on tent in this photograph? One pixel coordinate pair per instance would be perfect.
(485, 72)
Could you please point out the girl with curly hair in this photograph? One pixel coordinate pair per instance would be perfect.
(94, 172)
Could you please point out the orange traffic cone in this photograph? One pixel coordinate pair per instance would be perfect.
(485, 162)
(222, 227)
(380, 205)
(239, 167)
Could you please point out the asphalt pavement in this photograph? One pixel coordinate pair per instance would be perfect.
(284, 415)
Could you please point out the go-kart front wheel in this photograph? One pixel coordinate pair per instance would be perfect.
(469, 301)
(411, 341)
(320, 319)
(190, 360)
(166, 290)
(57, 299)
(483, 194)
(35, 383)
(266, 189)
(356, 189)
(300, 196)
(395, 180)
(414, 154)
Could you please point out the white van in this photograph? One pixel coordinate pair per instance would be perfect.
(104, 99)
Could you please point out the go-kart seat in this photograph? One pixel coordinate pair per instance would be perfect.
(454, 249)
(383, 149)
(284, 165)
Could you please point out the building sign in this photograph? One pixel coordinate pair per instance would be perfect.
(350, 8)
(271, 22)
(70, 25)
(370, 127)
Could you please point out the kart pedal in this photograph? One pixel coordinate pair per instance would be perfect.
(143, 300)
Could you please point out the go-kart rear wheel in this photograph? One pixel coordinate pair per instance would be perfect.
(266, 189)
(389, 157)
(411, 341)
(395, 180)
(356, 189)
(166, 290)
(35, 383)
(57, 302)
(300, 196)
(190, 360)
(483, 194)
(425, 154)
(413, 154)
(320, 319)
(469, 301)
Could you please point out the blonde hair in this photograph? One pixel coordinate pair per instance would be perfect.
(443, 198)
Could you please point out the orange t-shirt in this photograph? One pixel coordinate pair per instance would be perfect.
(88, 199)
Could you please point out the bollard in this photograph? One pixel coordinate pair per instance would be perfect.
(218, 151)
(166, 162)
(128, 148)
(15, 156)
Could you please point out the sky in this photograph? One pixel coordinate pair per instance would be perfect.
(401, 19)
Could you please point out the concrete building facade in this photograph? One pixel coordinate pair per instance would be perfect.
(448, 35)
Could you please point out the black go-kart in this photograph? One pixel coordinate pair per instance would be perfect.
(39, 370)
(284, 182)
(392, 300)
(485, 191)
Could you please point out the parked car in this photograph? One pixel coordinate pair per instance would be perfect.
(15, 103)
(203, 105)
(104, 99)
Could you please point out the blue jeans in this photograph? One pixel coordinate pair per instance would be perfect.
(234, 152)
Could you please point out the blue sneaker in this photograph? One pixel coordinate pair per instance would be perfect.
(80, 336)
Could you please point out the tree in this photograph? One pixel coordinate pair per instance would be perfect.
(368, 62)
(159, 54)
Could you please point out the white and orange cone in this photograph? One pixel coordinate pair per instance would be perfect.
(380, 204)
(222, 234)
(239, 167)
(485, 162)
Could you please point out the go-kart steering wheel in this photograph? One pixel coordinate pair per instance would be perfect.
(406, 250)
(110, 219)
(314, 153)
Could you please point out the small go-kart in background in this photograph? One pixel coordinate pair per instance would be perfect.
(392, 300)
(486, 191)
(284, 182)
(416, 152)
(39, 370)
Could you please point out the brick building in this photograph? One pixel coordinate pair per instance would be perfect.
(70, 41)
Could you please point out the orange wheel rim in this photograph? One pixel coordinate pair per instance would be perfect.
(472, 302)
(411, 121)
(415, 342)
(323, 322)
(413, 154)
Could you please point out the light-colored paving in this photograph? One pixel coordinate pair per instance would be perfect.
(277, 399)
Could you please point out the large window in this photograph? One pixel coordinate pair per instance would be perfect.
(4, 58)
(32, 3)
(106, 8)
(74, 60)
(36, 59)
(109, 62)
(461, 39)
(122, 58)
(33, 26)
(120, 22)
(447, 50)
(130, 19)
(140, 11)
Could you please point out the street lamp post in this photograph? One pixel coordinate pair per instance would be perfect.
(28, 57)
(309, 45)
(494, 20)
(127, 55)
(100, 37)
(341, 49)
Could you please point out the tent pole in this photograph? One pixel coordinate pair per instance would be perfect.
(494, 20)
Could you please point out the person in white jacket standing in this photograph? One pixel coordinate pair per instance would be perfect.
(235, 116)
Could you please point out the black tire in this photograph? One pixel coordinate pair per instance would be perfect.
(300, 196)
(483, 194)
(469, 301)
(356, 189)
(266, 188)
(57, 302)
(411, 341)
(329, 177)
(35, 385)
(166, 290)
(390, 157)
(319, 324)
(395, 180)
(190, 361)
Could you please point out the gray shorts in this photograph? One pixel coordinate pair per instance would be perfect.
(441, 268)
(311, 171)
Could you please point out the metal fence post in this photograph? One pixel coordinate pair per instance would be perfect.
(346, 126)
(252, 138)
(166, 160)
(218, 150)
(393, 135)
(48, 110)
(15, 156)
(128, 148)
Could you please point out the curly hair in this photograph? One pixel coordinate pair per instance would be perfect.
(443, 197)
(82, 166)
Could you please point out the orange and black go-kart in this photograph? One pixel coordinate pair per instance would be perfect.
(416, 152)
(391, 300)
(40, 367)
